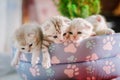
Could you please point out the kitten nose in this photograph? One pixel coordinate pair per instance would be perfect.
(75, 37)
(61, 40)
(28, 50)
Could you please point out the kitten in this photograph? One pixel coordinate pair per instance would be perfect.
(55, 27)
(100, 25)
(79, 29)
(29, 39)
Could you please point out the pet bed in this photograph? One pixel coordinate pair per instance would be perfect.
(95, 58)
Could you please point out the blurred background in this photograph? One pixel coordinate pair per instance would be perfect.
(13, 13)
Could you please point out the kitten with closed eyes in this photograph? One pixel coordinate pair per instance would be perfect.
(55, 28)
(100, 25)
(29, 39)
(79, 29)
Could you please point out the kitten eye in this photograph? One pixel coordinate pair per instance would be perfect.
(30, 45)
(70, 33)
(64, 34)
(22, 48)
(79, 32)
(54, 36)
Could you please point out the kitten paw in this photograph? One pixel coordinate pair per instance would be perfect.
(34, 61)
(14, 62)
(110, 32)
(105, 32)
(46, 64)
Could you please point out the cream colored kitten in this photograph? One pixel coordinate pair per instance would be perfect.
(100, 25)
(55, 27)
(79, 30)
(29, 39)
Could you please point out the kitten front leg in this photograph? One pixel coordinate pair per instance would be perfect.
(46, 58)
(105, 31)
(35, 57)
(16, 58)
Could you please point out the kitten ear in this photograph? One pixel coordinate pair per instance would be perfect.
(66, 20)
(98, 18)
(88, 26)
(46, 26)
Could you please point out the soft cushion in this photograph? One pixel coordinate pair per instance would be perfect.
(95, 58)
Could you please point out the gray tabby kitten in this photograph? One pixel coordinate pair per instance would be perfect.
(55, 28)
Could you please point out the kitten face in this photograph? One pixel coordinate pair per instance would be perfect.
(79, 29)
(26, 44)
(55, 28)
(97, 21)
(27, 37)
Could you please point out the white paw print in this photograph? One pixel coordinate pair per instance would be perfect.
(90, 69)
(108, 43)
(90, 44)
(71, 59)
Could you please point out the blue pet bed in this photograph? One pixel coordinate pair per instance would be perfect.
(95, 58)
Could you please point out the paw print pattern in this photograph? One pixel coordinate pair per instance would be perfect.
(50, 72)
(55, 60)
(35, 71)
(71, 59)
(92, 57)
(71, 71)
(90, 69)
(108, 43)
(109, 67)
(91, 78)
(70, 47)
(90, 44)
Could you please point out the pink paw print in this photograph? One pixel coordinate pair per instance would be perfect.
(70, 47)
(91, 78)
(55, 60)
(109, 67)
(92, 57)
(108, 43)
(71, 71)
(35, 71)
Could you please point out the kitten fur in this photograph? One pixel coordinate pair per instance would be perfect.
(28, 39)
(79, 29)
(55, 27)
(100, 25)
